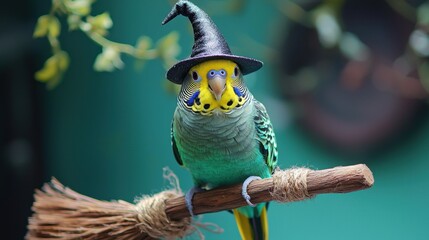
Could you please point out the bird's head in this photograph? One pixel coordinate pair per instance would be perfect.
(213, 86)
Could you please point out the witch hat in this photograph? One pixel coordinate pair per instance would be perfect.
(208, 43)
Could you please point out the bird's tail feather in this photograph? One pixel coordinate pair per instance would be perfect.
(252, 228)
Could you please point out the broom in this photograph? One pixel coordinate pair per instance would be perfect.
(61, 213)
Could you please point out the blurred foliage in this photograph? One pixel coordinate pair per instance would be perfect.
(79, 18)
(325, 18)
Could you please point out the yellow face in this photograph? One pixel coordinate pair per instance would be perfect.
(214, 85)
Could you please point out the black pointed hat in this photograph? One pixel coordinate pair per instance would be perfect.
(208, 43)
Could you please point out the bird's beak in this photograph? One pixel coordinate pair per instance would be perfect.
(217, 86)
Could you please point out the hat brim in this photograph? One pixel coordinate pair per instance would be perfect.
(178, 72)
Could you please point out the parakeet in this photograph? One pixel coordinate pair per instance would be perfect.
(220, 132)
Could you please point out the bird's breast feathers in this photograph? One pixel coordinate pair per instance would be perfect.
(219, 149)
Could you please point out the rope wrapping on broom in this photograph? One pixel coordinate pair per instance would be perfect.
(153, 220)
(290, 185)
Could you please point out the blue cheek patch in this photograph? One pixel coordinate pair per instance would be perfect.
(191, 100)
(238, 92)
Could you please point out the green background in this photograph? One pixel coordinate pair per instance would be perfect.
(107, 135)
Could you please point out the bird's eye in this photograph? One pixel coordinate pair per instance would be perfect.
(236, 72)
(195, 76)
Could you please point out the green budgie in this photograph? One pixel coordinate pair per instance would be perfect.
(220, 132)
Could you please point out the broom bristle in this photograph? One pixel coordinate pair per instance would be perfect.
(61, 213)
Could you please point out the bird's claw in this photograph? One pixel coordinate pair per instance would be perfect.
(244, 193)
(188, 199)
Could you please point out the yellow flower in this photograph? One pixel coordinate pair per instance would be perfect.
(47, 25)
(100, 23)
(142, 46)
(53, 69)
(108, 60)
(79, 7)
(168, 48)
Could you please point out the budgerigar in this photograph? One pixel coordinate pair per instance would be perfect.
(220, 132)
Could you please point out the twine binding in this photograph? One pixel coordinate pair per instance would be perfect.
(151, 215)
(154, 222)
(290, 185)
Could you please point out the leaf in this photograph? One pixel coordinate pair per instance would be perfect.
(79, 7)
(102, 64)
(142, 52)
(327, 27)
(168, 48)
(63, 60)
(42, 26)
(49, 70)
(100, 23)
(143, 44)
(108, 60)
(47, 25)
(102, 20)
(73, 21)
(53, 69)
(54, 27)
(54, 82)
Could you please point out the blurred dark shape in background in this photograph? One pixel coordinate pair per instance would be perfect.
(357, 104)
(20, 134)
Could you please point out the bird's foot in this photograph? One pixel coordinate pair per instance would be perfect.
(188, 198)
(244, 193)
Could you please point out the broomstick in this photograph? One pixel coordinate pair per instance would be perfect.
(61, 213)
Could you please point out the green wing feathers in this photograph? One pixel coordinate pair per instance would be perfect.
(174, 146)
(265, 135)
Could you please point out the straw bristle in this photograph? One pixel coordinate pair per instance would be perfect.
(61, 213)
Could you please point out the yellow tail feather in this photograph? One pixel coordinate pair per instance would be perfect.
(246, 228)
